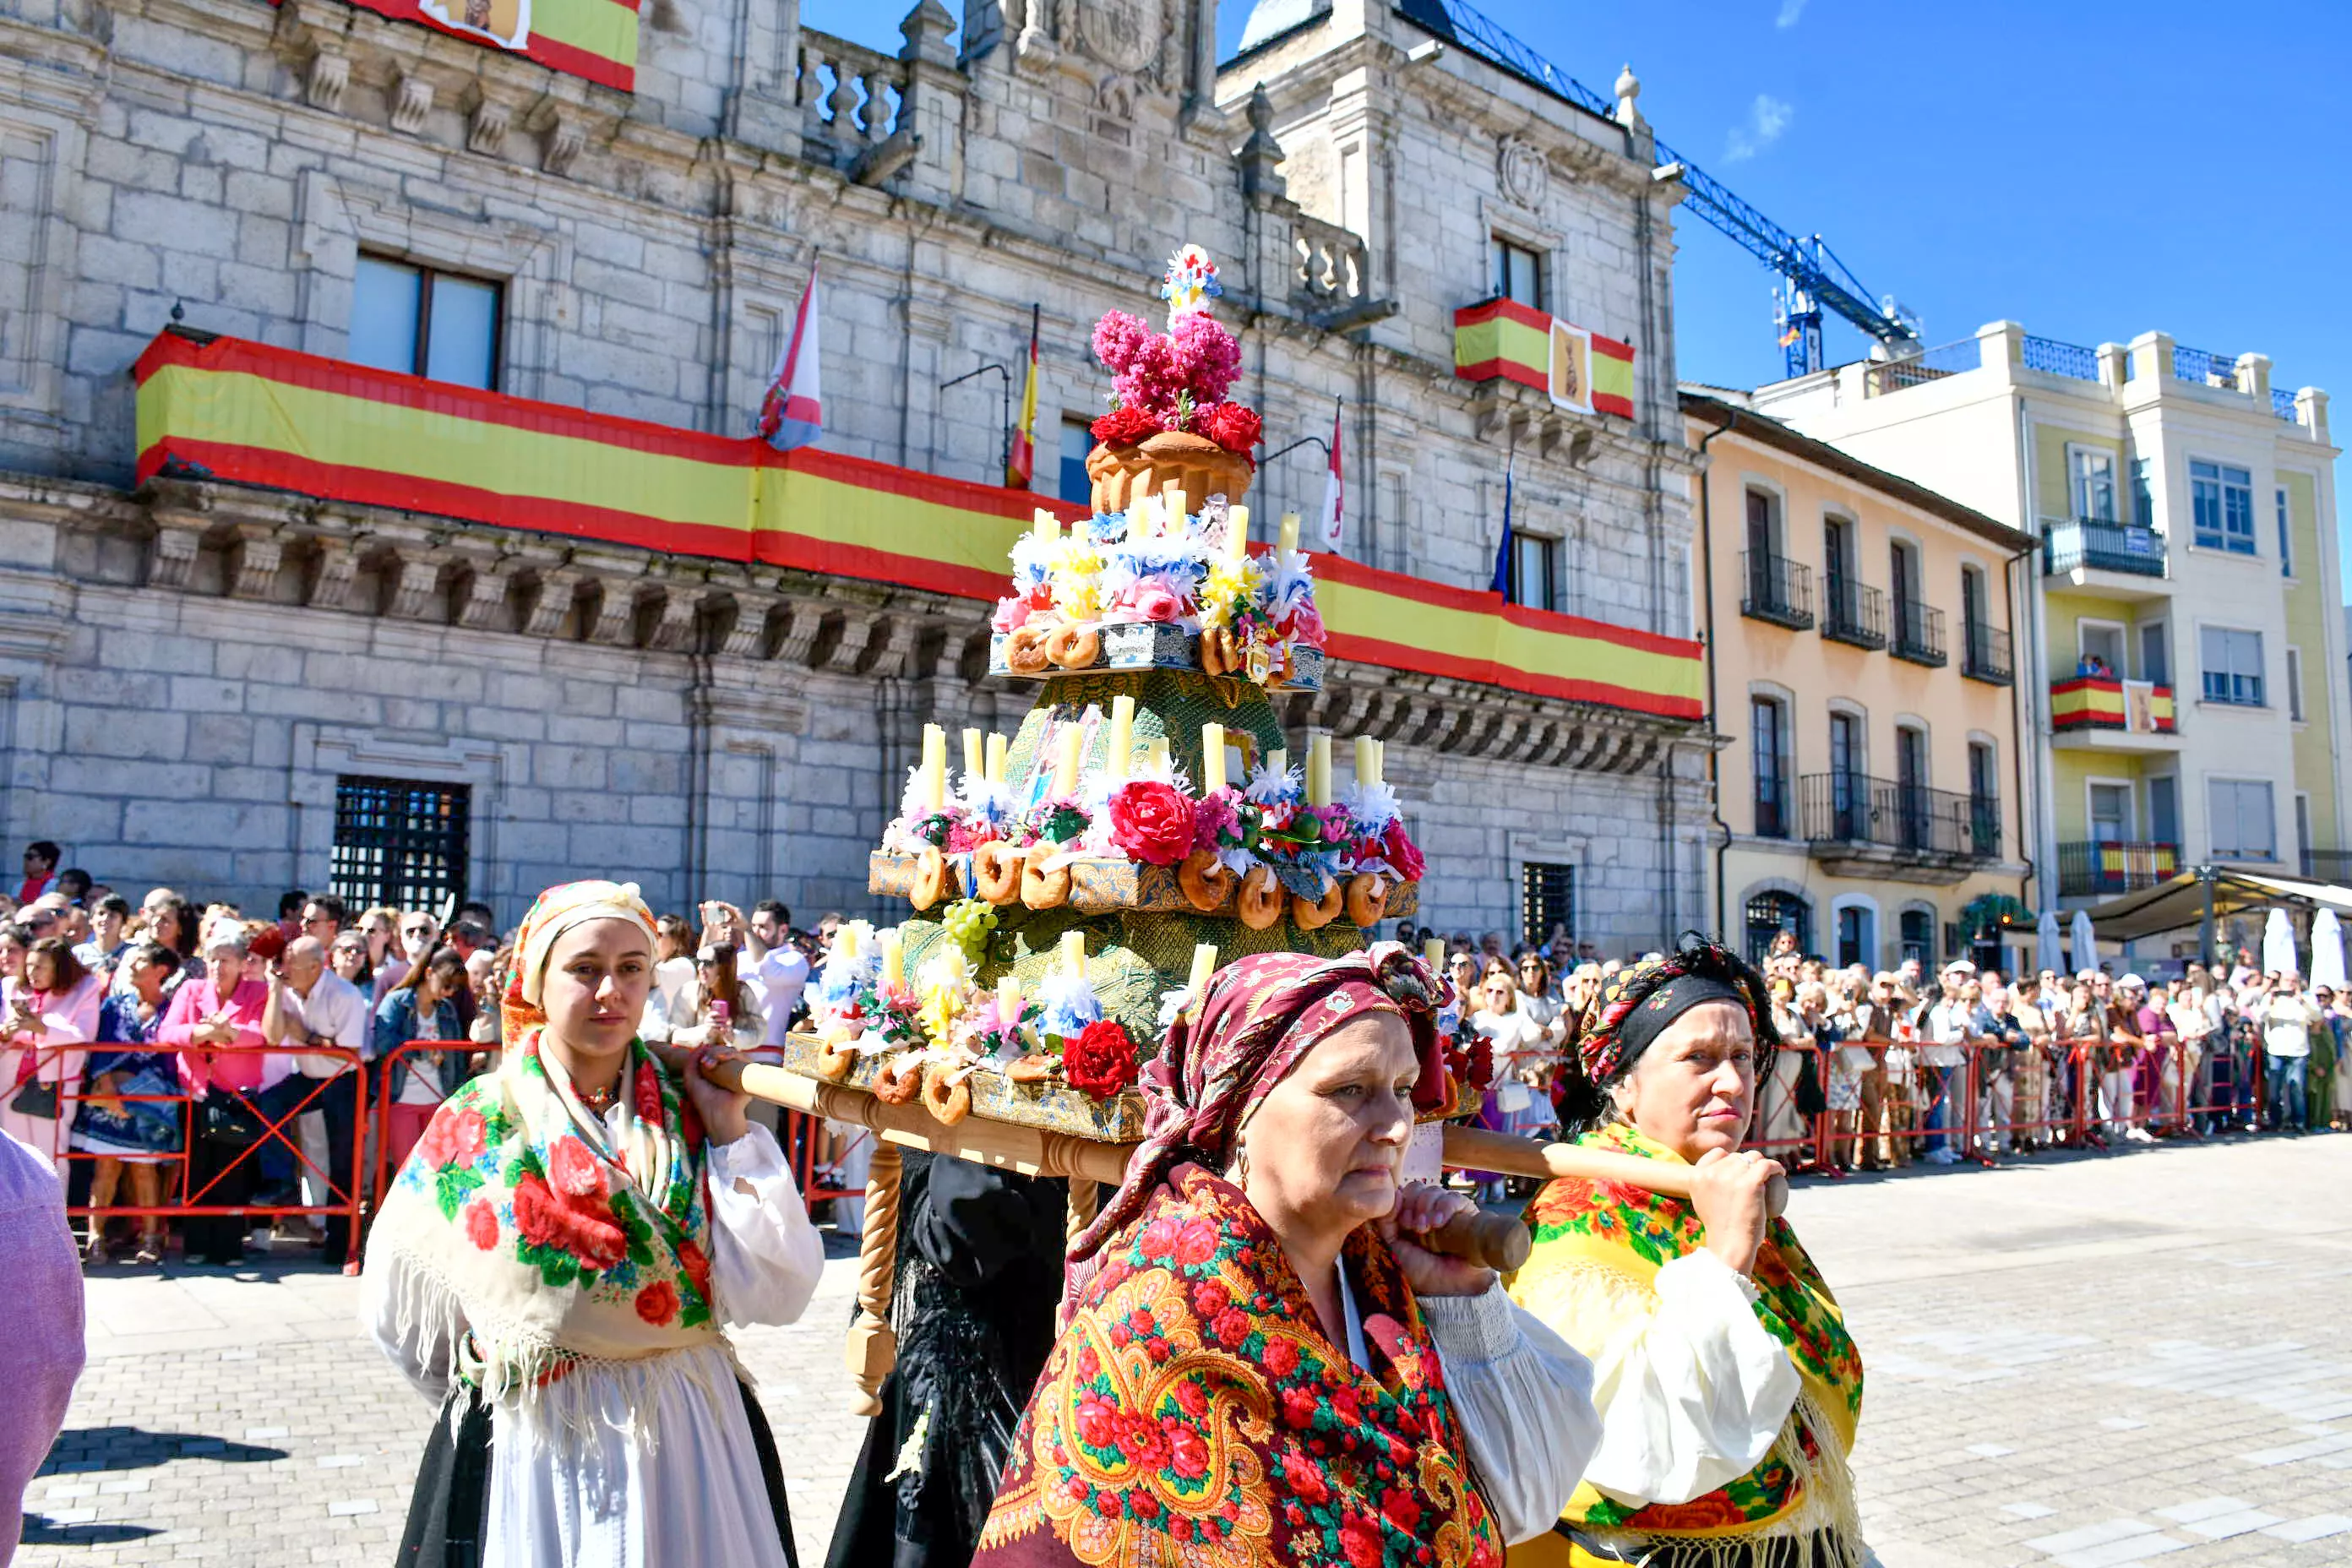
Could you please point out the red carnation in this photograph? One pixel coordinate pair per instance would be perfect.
(1230, 1328)
(1124, 426)
(1399, 851)
(648, 1094)
(482, 1225)
(1233, 425)
(1101, 1060)
(1196, 1244)
(657, 1302)
(1150, 821)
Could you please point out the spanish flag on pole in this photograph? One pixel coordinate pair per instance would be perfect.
(1024, 460)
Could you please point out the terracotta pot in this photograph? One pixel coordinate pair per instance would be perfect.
(1194, 464)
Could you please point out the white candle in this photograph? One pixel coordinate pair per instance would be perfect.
(1074, 953)
(1368, 760)
(935, 766)
(1319, 768)
(1278, 762)
(997, 747)
(1289, 540)
(894, 958)
(1122, 737)
(975, 754)
(1176, 511)
(1432, 954)
(1213, 758)
(1048, 527)
(1008, 999)
(1065, 773)
(1237, 532)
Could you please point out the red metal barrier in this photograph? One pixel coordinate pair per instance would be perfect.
(186, 1201)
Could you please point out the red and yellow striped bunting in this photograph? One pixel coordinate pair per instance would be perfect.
(247, 413)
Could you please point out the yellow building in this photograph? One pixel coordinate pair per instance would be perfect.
(1859, 637)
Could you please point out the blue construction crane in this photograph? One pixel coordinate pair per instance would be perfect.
(1813, 278)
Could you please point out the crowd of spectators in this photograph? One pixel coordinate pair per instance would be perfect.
(149, 1050)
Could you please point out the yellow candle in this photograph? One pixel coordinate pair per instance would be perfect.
(1074, 953)
(1380, 761)
(1008, 998)
(1368, 760)
(1066, 772)
(1049, 526)
(1213, 758)
(1155, 757)
(975, 754)
(1237, 532)
(845, 941)
(1319, 768)
(1277, 761)
(935, 766)
(1205, 964)
(1289, 540)
(997, 747)
(1177, 508)
(894, 958)
(1122, 737)
(1432, 954)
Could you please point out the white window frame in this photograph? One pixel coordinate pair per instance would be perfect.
(2220, 541)
(2213, 836)
(2083, 482)
(2090, 785)
(2123, 641)
(2262, 668)
(1497, 240)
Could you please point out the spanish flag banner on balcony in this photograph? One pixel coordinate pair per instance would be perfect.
(592, 38)
(1575, 368)
(243, 413)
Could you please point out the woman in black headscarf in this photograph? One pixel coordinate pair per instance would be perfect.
(979, 1275)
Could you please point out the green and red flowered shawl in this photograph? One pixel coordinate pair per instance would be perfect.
(1597, 1248)
(540, 1239)
(1192, 1414)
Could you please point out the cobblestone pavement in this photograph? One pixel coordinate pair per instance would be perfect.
(2078, 1361)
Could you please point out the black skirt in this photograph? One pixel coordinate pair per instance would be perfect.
(448, 1514)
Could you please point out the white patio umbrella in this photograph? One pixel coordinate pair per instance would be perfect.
(2085, 941)
(2327, 951)
(2278, 945)
(2048, 947)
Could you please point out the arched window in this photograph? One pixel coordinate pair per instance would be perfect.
(1770, 913)
(1918, 936)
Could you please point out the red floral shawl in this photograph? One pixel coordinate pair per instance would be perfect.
(1192, 1414)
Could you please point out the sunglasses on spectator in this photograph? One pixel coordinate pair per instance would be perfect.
(417, 931)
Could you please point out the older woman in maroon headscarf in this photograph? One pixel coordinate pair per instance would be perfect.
(1265, 1365)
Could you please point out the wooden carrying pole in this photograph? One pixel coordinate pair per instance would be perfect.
(1497, 1241)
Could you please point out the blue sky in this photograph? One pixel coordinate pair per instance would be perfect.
(2092, 169)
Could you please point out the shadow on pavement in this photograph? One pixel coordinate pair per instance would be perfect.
(39, 1532)
(91, 1448)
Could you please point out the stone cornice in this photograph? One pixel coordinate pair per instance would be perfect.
(268, 549)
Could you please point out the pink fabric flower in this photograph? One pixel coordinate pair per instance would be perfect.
(1150, 601)
(1150, 821)
(1305, 627)
(1204, 356)
(1213, 816)
(1011, 615)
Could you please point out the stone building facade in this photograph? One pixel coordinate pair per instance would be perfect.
(194, 677)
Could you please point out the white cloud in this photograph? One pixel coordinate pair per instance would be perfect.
(1767, 118)
(1790, 11)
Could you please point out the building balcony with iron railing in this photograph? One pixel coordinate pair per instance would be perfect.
(1984, 654)
(1852, 613)
(2105, 712)
(1776, 589)
(2074, 545)
(1859, 826)
(1919, 634)
(2107, 866)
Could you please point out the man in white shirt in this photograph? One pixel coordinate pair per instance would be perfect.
(2288, 1019)
(1951, 1024)
(778, 965)
(311, 1007)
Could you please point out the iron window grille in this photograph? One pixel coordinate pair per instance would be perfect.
(400, 842)
(1547, 902)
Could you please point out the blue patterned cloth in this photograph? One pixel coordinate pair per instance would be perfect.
(144, 1129)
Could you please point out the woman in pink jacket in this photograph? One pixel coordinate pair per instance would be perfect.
(49, 1003)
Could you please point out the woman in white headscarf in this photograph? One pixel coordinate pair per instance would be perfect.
(552, 1267)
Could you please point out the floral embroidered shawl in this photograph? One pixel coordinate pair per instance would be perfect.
(1598, 1248)
(1193, 1415)
(522, 1218)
